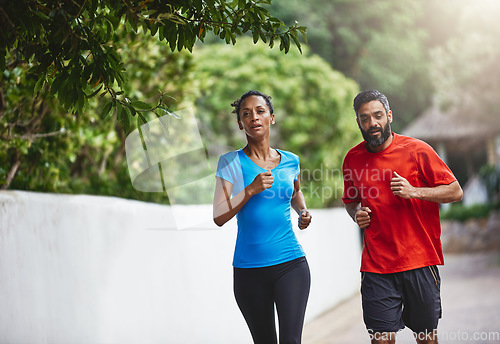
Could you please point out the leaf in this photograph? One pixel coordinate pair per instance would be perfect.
(56, 84)
(38, 86)
(263, 37)
(93, 94)
(113, 57)
(302, 30)
(172, 39)
(144, 26)
(120, 78)
(41, 15)
(63, 94)
(233, 4)
(286, 40)
(153, 29)
(180, 39)
(126, 121)
(131, 109)
(132, 20)
(168, 112)
(120, 109)
(115, 20)
(80, 101)
(198, 5)
(173, 114)
(106, 109)
(255, 34)
(141, 118)
(161, 33)
(141, 105)
(296, 41)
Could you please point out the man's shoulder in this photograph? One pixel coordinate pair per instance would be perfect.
(411, 143)
(354, 156)
(357, 149)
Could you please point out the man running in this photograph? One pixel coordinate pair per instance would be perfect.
(393, 185)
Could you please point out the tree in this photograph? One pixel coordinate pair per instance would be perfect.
(469, 82)
(380, 44)
(44, 148)
(313, 107)
(70, 47)
(57, 56)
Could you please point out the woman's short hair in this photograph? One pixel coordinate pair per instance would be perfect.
(237, 103)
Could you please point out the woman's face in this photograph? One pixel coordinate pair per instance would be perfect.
(255, 117)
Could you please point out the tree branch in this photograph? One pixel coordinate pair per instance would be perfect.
(13, 171)
(30, 136)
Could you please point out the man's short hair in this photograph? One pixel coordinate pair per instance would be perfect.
(364, 97)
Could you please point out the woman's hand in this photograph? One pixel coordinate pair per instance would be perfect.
(304, 219)
(262, 182)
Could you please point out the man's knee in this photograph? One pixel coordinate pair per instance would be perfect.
(382, 337)
(426, 337)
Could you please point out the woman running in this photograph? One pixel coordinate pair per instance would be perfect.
(259, 185)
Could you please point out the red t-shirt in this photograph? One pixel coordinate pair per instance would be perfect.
(404, 234)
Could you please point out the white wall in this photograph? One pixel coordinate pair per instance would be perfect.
(85, 269)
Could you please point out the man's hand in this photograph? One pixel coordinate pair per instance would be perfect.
(401, 187)
(363, 217)
(304, 219)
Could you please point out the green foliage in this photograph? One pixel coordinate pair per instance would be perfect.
(314, 116)
(48, 149)
(490, 175)
(461, 213)
(70, 47)
(469, 81)
(380, 44)
(57, 57)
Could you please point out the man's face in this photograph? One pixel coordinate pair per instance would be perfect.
(374, 123)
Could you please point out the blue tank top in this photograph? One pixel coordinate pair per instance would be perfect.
(265, 233)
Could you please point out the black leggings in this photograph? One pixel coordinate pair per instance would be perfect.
(257, 290)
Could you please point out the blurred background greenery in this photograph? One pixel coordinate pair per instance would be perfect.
(421, 54)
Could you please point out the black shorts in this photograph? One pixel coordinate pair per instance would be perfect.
(409, 298)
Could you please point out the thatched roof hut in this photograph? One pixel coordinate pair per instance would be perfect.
(466, 139)
(436, 126)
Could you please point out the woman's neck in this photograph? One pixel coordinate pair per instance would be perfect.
(259, 150)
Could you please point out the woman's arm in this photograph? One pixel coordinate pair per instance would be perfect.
(225, 207)
(298, 203)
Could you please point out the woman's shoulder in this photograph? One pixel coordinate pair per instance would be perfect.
(287, 155)
(230, 160)
(231, 155)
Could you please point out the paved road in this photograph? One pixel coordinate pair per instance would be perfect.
(470, 292)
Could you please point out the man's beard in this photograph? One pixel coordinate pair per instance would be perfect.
(377, 142)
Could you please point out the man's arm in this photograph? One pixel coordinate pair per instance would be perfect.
(360, 215)
(439, 194)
